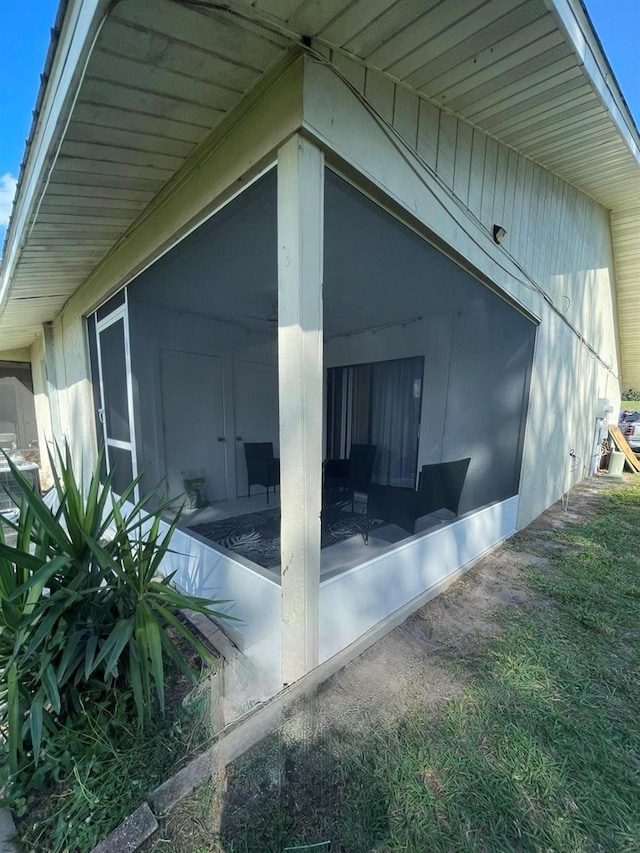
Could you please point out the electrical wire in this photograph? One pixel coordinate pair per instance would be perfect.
(526, 280)
(279, 29)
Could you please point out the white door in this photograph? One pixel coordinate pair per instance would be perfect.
(193, 415)
(116, 396)
(255, 400)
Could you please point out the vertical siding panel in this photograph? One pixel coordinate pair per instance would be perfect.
(541, 225)
(583, 260)
(380, 92)
(558, 240)
(518, 197)
(589, 228)
(447, 148)
(580, 304)
(405, 115)
(510, 193)
(574, 253)
(477, 172)
(353, 71)
(551, 216)
(569, 241)
(462, 165)
(547, 231)
(525, 228)
(532, 239)
(554, 228)
(428, 131)
(488, 182)
(501, 185)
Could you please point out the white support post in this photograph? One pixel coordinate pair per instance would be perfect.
(300, 259)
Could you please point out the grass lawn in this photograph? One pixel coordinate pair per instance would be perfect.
(634, 405)
(541, 752)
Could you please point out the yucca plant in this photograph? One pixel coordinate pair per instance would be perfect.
(83, 613)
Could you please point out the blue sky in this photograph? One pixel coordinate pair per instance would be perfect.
(617, 22)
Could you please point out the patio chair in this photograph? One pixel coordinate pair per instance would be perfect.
(393, 505)
(263, 468)
(439, 488)
(440, 485)
(351, 475)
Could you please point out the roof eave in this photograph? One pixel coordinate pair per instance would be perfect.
(574, 21)
(78, 23)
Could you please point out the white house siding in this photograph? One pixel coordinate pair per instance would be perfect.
(558, 240)
(454, 186)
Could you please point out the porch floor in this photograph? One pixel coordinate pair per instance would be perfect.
(333, 558)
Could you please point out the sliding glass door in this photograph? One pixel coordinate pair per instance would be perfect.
(377, 403)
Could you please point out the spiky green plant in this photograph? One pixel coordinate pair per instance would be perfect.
(83, 612)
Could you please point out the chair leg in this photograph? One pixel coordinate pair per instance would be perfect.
(267, 488)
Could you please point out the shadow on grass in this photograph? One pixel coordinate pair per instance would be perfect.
(541, 754)
(532, 759)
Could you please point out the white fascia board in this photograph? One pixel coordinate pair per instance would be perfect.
(81, 25)
(580, 36)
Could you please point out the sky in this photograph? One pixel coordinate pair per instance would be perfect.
(22, 57)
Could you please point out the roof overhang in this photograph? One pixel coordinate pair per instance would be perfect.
(129, 96)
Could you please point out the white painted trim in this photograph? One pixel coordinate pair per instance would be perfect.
(119, 313)
(119, 445)
(301, 384)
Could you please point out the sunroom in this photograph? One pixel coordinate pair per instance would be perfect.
(319, 387)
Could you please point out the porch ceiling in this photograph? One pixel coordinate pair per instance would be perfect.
(159, 77)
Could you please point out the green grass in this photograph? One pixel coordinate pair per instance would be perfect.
(103, 766)
(634, 405)
(541, 754)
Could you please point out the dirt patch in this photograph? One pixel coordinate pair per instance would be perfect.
(407, 672)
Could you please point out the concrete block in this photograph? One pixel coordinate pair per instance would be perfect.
(8, 842)
(131, 833)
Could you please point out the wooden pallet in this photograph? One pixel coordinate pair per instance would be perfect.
(621, 443)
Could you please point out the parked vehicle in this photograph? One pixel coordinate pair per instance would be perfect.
(628, 416)
(631, 431)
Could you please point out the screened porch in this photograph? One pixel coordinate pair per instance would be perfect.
(424, 368)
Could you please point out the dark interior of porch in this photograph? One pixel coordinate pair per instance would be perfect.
(426, 379)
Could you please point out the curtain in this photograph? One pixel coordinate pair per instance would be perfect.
(396, 393)
(377, 403)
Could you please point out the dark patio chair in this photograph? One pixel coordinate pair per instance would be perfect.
(351, 475)
(263, 468)
(440, 487)
(393, 505)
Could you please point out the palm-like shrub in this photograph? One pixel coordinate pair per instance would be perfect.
(83, 614)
